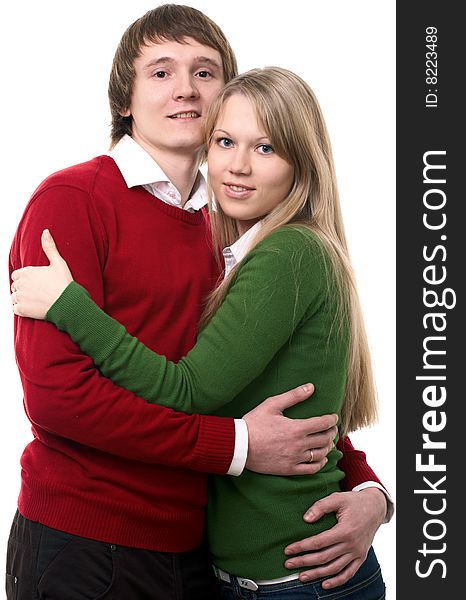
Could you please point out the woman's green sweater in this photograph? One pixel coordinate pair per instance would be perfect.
(275, 330)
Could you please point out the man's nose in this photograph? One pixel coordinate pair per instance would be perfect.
(185, 87)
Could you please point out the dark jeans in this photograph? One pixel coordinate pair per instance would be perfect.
(46, 564)
(366, 584)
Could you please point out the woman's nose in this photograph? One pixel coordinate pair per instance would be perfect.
(240, 163)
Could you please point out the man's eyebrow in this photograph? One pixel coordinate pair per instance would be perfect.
(159, 61)
(199, 60)
(208, 61)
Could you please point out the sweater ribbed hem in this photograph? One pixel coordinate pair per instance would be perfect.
(359, 473)
(165, 529)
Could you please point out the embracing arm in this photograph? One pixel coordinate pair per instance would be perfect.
(277, 445)
(230, 352)
(64, 393)
(336, 554)
(358, 473)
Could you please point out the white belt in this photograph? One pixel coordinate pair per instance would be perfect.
(250, 584)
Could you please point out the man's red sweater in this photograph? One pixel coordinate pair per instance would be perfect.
(104, 464)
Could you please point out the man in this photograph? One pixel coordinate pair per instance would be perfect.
(113, 489)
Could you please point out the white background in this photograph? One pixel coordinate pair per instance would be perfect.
(55, 61)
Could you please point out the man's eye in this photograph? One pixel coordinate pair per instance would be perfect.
(160, 74)
(204, 74)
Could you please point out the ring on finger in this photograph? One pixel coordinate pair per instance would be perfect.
(311, 457)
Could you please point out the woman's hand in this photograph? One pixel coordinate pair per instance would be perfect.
(35, 289)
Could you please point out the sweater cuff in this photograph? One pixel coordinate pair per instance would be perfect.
(390, 503)
(67, 303)
(241, 448)
(215, 446)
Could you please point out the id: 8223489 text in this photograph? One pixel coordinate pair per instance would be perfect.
(431, 74)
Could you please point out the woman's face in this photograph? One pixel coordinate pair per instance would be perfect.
(247, 177)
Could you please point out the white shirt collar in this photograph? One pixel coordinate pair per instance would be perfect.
(236, 252)
(139, 168)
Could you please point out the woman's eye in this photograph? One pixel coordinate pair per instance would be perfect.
(204, 74)
(224, 142)
(265, 149)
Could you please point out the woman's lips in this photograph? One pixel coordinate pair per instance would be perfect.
(237, 190)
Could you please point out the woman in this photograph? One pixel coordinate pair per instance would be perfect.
(285, 313)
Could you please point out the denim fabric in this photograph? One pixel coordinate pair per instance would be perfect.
(366, 584)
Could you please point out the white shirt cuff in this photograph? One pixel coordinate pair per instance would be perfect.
(390, 503)
(241, 448)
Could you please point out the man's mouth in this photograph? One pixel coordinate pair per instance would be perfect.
(186, 115)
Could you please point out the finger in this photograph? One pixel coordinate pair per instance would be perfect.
(315, 542)
(314, 425)
(16, 306)
(333, 568)
(344, 575)
(291, 397)
(317, 559)
(318, 454)
(16, 274)
(323, 439)
(307, 468)
(49, 246)
(322, 507)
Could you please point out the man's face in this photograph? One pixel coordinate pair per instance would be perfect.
(173, 89)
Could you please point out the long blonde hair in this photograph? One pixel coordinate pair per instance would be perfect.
(290, 114)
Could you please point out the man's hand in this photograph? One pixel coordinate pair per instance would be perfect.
(339, 552)
(282, 446)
